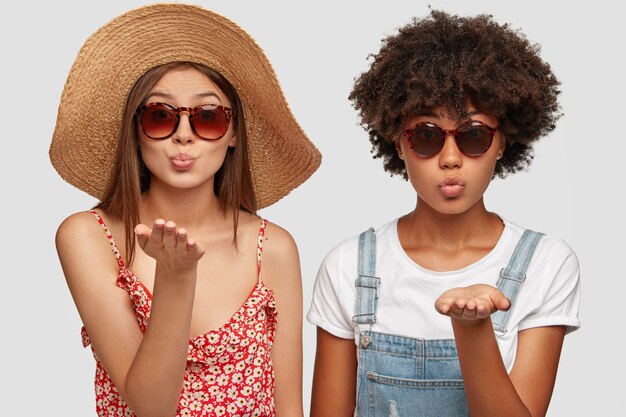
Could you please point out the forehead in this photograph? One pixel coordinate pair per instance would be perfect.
(185, 86)
(440, 115)
(448, 118)
(441, 112)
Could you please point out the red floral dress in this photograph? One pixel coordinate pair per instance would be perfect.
(229, 370)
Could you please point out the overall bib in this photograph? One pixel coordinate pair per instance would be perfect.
(401, 376)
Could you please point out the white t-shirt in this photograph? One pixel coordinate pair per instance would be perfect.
(549, 296)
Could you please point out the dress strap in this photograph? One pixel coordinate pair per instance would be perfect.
(116, 251)
(259, 247)
(513, 276)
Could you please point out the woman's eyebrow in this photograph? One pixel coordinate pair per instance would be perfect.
(160, 94)
(207, 94)
(171, 97)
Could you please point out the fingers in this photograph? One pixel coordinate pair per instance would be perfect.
(475, 302)
(181, 240)
(458, 307)
(169, 235)
(163, 234)
(450, 307)
(454, 307)
(499, 301)
(157, 231)
(461, 308)
(147, 236)
(443, 305)
(166, 237)
(466, 309)
(142, 232)
(194, 248)
(477, 308)
(471, 309)
(184, 244)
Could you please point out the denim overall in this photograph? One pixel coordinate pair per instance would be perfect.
(401, 376)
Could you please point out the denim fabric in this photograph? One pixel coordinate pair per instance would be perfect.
(400, 376)
(512, 277)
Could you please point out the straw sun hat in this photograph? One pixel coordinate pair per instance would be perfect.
(119, 53)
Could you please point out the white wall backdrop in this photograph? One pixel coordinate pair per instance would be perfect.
(574, 189)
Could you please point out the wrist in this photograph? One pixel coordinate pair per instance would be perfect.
(176, 274)
(471, 324)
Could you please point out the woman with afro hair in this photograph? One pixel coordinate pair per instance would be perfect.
(449, 310)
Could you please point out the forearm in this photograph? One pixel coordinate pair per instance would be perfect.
(334, 378)
(288, 393)
(154, 380)
(331, 398)
(288, 371)
(488, 387)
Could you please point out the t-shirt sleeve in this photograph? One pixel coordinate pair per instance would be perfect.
(560, 303)
(328, 306)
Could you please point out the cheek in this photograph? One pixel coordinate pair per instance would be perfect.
(421, 174)
(483, 172)
(148, 154)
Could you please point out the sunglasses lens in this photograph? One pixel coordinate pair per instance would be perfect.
(210, 122)
(426, 140)
(474, 139)
(158, 121)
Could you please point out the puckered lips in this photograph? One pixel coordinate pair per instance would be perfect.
(182, 161)
(451, 187)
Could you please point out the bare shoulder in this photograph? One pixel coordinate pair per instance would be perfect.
(280, 259)
(278, 242)
(80, 241)
(74, 223)
(76, 230)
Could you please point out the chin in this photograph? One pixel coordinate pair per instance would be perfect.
(452, 211)
(184, 182)
(449, 206)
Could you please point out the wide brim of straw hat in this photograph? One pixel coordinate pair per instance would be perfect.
(90, 113)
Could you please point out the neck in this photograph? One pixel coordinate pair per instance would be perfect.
(433, 228)
(191, 208)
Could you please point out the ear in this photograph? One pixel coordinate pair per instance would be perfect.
(232, 142)
(398, 145)
(502, 147)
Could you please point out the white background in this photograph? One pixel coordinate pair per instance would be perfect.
(574, 189)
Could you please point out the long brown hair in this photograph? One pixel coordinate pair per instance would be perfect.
(131, 178)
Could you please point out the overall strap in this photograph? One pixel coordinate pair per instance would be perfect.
(512, 277)
(366, 282)
(116, 251)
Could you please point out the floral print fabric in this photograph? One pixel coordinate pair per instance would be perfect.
(229, 370)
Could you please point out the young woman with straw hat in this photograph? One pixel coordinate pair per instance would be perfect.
(173, 118)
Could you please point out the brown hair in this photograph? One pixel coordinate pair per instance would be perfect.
(130, 177)
(443, 60)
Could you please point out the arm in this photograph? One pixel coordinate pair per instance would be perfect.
(490, 390)
(334, 378)
(281, 272)
(146, 369)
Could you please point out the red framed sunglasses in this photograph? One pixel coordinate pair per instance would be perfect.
(473, 138)
(208, 121)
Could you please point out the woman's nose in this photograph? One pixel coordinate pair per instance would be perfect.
(184, 133)
(450, 155)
